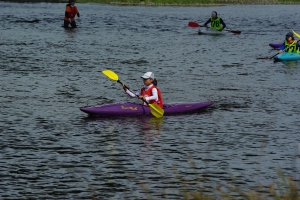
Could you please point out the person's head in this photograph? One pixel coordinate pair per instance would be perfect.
(289, 36)
(149, 79)
(72, 2)
(214, 14)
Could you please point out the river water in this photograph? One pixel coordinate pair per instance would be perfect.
(52, 150)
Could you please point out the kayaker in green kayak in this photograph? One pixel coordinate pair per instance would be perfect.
(150, 92)
(216, 22)
(290, 44)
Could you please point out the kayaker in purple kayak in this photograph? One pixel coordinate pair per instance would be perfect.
(216, 22)
(290, 44)
(150, 92)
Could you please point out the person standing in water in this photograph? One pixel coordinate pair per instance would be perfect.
(70, 13)
(216, 22)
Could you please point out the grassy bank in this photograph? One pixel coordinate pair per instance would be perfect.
(172, 2)
(192, 2)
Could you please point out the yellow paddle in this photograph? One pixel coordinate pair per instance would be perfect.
(297, 35)
(156, 111)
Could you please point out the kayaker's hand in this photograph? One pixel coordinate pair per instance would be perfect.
(124, 87)
(280, 51)
(142, 97)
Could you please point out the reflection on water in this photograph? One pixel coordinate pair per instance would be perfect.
(148, 124)
(291, 63)
(50, 149)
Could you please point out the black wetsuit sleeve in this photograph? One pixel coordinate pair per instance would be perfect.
(208, 21)
(223, 23)
(78, 15)
(66, 13)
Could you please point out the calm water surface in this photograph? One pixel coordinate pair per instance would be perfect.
(50, 149)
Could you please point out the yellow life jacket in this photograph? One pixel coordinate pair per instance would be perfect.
(291, 47)
(216, 23)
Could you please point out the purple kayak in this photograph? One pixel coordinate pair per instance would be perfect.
(135, 109)
(275, 45)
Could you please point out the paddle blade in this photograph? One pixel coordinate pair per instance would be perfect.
(235, 32)
(295, 33)
(193, 24)
(267, 58)
(110, 74)
(156, 111)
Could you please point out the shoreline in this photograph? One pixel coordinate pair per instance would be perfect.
(200, 5)
(143, 3)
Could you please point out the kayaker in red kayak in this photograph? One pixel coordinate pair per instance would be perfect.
(71, 11)
(216, 22)
(150, 92)
(290, 44)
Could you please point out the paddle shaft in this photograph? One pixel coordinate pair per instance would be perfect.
(274, 56)
(131, 92)
(122, 84)
(283, 50)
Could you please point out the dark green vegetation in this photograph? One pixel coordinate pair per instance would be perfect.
(284, 189)
(174, 2)
(192, 2)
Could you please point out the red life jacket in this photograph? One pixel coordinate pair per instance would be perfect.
(71, 12)
(148, 93)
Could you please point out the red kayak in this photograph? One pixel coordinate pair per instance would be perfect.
(135, 109)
